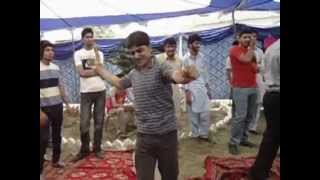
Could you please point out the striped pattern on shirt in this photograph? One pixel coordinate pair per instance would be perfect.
(152, 98)
(49, 85)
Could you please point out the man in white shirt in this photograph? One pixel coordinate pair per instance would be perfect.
(271, 103)
(92, 89)
(260, 84)
(197, 92)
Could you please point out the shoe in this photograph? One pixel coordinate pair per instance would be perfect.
(80, 156)
(123, 136)
(251, 177)
(203, 138)
(47, 157)
(58, 164)
(248, 144)
(233, 149)
(41, 177)
(99, 155)
(254, 132)
(49, 145)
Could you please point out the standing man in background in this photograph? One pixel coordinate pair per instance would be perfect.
(260, 83)
(92, 89)
(170, 56)
(197, 92)
(52, 97)
(244, 69)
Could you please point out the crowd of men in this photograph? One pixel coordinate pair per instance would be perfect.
(155, 81)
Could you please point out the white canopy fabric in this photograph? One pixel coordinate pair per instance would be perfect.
(169, 26)
(62, 14)
(88, 8)
(63, 20)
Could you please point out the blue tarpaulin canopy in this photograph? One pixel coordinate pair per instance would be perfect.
(173, 15)
(65, 50)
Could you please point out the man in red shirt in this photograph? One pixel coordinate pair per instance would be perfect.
(244, 69)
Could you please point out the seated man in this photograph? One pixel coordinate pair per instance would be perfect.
(116, 109)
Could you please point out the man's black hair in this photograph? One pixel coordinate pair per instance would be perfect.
(193, 37)
(170, 41)
(86, 31)
(43, 45)
(235, 43)
(246, 31)
(138, 38)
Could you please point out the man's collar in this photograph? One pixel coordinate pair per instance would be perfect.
(199, 55)
(149, 65)
(41, 61)
(175, 57)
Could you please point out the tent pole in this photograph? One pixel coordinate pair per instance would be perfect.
(234, 19)
(72, 37)
(73, 51)
(180, 45)
(234, 24)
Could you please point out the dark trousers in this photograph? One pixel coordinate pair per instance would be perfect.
(271, 138)
(55, 117)
(97, 99)
(44, 136)
(157, 148)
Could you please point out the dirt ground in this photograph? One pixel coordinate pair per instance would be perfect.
(192, 152)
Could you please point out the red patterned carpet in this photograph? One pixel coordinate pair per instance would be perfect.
(116, 165)
(218, 168)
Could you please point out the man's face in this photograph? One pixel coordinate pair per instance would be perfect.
(141, 55)
(170, 49)
(88, 40)
(254, 36)
(245, 39)
(48, 53)
(195, 46)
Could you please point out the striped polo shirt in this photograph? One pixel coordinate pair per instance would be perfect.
(153, 101)
(49, 85)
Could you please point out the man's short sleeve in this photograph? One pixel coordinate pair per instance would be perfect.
(101, 57)
(77, 59)
(228, 63)
(125, 82)
(235, 52)
(161, 58)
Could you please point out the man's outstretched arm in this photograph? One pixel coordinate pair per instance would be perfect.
(108, 76)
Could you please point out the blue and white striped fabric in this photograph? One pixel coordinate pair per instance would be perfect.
(49, 85)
